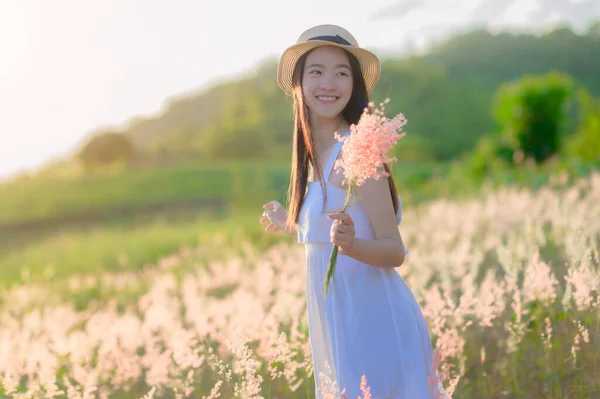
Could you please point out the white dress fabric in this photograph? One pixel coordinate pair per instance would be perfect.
(369, 323)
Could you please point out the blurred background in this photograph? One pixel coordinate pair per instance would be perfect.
(140, 139)
(131, 129)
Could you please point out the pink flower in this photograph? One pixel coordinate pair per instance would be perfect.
(366, 391)
(364, 150)
(364, 153)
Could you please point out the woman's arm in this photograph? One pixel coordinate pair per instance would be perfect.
(380, 252)
(387, 249)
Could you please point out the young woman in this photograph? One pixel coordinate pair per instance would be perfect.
(369, 323)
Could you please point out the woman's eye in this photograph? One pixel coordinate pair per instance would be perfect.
(343, 73)
(314, 72)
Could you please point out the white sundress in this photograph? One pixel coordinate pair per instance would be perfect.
(369, 323)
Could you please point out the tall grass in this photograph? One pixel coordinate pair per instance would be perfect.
(508, 283)
(122, 244)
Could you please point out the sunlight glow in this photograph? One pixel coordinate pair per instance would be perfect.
(13, 39)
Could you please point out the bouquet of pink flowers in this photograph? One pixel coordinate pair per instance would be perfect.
(364, 153)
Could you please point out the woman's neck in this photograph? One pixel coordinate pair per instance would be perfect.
(323, 131)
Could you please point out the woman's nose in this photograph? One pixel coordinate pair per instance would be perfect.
(326, 83)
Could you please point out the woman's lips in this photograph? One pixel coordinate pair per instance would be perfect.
(327, 99)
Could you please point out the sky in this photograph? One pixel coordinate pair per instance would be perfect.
(71, 67)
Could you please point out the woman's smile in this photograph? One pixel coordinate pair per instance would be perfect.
(327, 99)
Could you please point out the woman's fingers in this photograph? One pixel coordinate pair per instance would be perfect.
(272, 228)
(341, 239)
(274, 214)
(270, 205)
(341, 217)
(343, 228)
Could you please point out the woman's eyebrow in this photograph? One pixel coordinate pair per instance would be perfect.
(323, 66)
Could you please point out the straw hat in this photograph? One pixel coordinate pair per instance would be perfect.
(326, 35)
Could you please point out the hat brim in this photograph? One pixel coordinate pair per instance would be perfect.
(369, 63)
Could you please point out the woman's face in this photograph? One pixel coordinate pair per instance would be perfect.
(327, 81)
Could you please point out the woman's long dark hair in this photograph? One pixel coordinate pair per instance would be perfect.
(303, 145)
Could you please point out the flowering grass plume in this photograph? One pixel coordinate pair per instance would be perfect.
(507, 281)
(364, 153)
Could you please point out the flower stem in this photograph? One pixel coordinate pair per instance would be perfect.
(335, 249)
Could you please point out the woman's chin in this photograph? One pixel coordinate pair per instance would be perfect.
(327, 114)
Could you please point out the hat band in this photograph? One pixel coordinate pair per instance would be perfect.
(334, 39)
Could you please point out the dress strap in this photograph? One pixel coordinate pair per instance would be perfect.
(333, 157)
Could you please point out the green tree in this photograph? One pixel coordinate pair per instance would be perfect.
(530, 113)
(240, 130)
(413, 148)
(593, 30)
(585, 144)
(427, 96)
(106, 149)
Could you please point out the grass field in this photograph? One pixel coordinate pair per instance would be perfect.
(177, 185)
(53, 227)
(49, 198)
(56, 226)
(192, 184)
(508, 283)
(122, 245)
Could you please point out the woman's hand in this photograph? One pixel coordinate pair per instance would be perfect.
(275, 215)
(342, 231)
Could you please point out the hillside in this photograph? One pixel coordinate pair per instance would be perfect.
(485, 60)
(446, 95)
